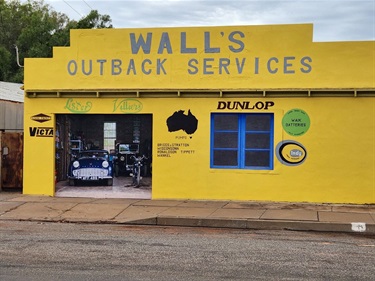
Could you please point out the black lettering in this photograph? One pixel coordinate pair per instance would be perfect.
(229, 103)
(32, 131)
(269, 104)
(41, 132)
(221, 105)
(248, 105)
(240, 105)
(259, 105)
(244, 105)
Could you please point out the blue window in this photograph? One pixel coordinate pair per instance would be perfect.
(242, 141)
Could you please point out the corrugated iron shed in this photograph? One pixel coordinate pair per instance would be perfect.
(11, 107)
(11, 92)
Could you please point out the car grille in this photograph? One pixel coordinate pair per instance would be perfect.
(90, 172)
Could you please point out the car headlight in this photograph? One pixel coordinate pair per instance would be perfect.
(75, 164)
(105, 164)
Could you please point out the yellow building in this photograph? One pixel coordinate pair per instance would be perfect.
(235, 113)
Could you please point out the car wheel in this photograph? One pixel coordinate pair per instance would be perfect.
(110, 182)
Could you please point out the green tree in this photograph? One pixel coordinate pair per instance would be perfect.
(5, 61)
(94, 20)
(34, 27)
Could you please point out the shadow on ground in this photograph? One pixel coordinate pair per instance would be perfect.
(122, 188)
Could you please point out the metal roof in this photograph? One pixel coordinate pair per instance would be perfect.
(11, 92)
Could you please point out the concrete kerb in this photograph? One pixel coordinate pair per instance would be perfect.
(222, 223)
(263, 224)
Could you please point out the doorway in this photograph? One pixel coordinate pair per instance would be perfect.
(11, 162)
(122, 136)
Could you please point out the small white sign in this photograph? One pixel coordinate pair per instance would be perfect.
(359, 226)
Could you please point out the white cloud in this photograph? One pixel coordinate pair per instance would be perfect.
(334, 20)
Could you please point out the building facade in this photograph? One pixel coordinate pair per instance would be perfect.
(234, 113)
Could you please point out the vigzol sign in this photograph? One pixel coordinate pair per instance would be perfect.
(41, 118)
(41, 131)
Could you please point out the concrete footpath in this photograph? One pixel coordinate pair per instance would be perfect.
(220, 214)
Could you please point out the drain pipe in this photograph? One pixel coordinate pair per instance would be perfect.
(18, 58)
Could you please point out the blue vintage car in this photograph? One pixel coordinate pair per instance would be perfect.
(91, 165)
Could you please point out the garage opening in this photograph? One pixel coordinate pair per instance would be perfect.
(103, 155)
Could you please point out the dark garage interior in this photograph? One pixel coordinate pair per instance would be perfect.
(76, 133)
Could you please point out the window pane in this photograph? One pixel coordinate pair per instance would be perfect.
(258, 122)
(225, 158)
(109, 135)
(109, 143)
(110, 126)
(226, 122)
(257, 141)
(257, 158)
(242, 140)
(226, 140)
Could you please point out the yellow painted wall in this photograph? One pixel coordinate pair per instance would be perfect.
(339, 166)
(235, 57)
(340, 162)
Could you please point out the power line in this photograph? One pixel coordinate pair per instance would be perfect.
(88, 5)
(73, 8)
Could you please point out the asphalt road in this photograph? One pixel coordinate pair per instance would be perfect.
(61, 251)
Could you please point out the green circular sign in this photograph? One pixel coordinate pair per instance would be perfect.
(296, 122)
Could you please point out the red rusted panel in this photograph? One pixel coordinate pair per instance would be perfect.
(12, 163)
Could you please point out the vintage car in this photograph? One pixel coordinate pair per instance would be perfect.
(91, 165)
(124, 161)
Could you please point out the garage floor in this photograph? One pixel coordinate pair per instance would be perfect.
(122, 188)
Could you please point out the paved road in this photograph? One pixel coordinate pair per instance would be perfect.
(62, 251)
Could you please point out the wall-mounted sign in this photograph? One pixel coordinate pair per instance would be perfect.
(296, 122)
(170, 149)
(127, 105)
(41, 131)
(230, 48)
(215, 58)
(290, 153)
(180, 121)
(78, 106)
(244, 105)
(41, 118)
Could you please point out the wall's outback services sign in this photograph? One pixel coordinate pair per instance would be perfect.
(232, 50)
(199, 58)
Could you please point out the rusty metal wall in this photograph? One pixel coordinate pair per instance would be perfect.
(1, 159)
(12, 161)
(11, 116)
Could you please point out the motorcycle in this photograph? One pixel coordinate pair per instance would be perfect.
(136, 173)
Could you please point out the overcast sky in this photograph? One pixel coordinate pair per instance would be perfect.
(334, 20)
